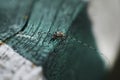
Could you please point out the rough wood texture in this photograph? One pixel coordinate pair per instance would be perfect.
(76, 57)
(13, 16)
(47, 17)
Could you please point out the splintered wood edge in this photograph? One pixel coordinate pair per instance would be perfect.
(1, 43)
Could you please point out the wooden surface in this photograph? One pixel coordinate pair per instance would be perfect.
(77, 57)
(61, 60)
(47, 17)
(13, 16)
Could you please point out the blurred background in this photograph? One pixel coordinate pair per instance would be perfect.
(105, 18)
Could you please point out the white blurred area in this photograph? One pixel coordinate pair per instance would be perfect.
(14, 67)
(105, 16)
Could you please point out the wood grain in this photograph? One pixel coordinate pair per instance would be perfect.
(13, 16)
(33, 42)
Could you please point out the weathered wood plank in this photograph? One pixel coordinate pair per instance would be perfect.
(67, 60)
(47, 17)
(13, 16)
(77, 58)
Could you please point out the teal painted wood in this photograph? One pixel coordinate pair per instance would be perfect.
(77, 57)
(13, 16)
(47, 17)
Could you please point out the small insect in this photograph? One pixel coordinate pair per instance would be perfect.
(58, 35)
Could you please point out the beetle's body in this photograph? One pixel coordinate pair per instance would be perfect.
(58, 35)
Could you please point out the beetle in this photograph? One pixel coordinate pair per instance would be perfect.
(58, 35)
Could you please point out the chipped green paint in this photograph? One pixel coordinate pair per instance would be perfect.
(46, 18)
(75, 58)
(13, 16)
